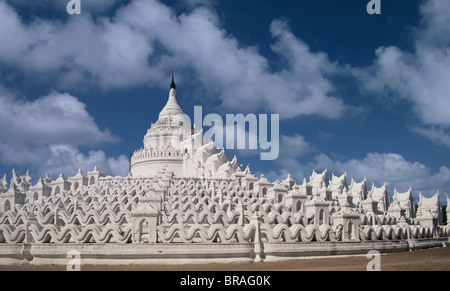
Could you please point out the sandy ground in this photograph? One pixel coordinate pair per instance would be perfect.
(436, 259)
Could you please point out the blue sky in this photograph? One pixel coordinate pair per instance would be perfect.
(365, 94)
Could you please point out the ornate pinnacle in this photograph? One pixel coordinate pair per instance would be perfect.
(172, 85)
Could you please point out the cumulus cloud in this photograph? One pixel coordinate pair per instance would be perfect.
(50, 119)
(419, 77)
(144, 38)
(293, 148)
(378, 168)
(434, 30)
(67, 158)
(240, 75)
(309, 89)
(108, 54)
(44, 135)
(55, 159)
(391, 168)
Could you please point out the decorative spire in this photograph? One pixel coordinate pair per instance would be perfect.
(171, 108)
(172, 85)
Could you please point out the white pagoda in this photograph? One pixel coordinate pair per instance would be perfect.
(175, 145)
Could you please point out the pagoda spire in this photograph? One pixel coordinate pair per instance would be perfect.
(171, 108)
(172, 85)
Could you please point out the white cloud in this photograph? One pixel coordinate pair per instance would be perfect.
(240, 75)
(81, 50)
(292, 149)
(145, 38)
(379, 168)
(436, 135)
(434, 29)
(391, 168)
(294, 146)
(22, 155)
(61, 158)
(36, 135)
(305, 87)
(67, 159)
(397, 172)
(420, 77)
(54, 118)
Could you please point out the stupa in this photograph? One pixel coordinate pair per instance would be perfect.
(177, 146)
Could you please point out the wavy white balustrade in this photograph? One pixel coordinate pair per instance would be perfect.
(193, 211)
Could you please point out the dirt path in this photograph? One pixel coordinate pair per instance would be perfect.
(437, 259)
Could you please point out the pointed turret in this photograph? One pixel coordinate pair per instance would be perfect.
(172, 107)
(3, 184)
(172, 85)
